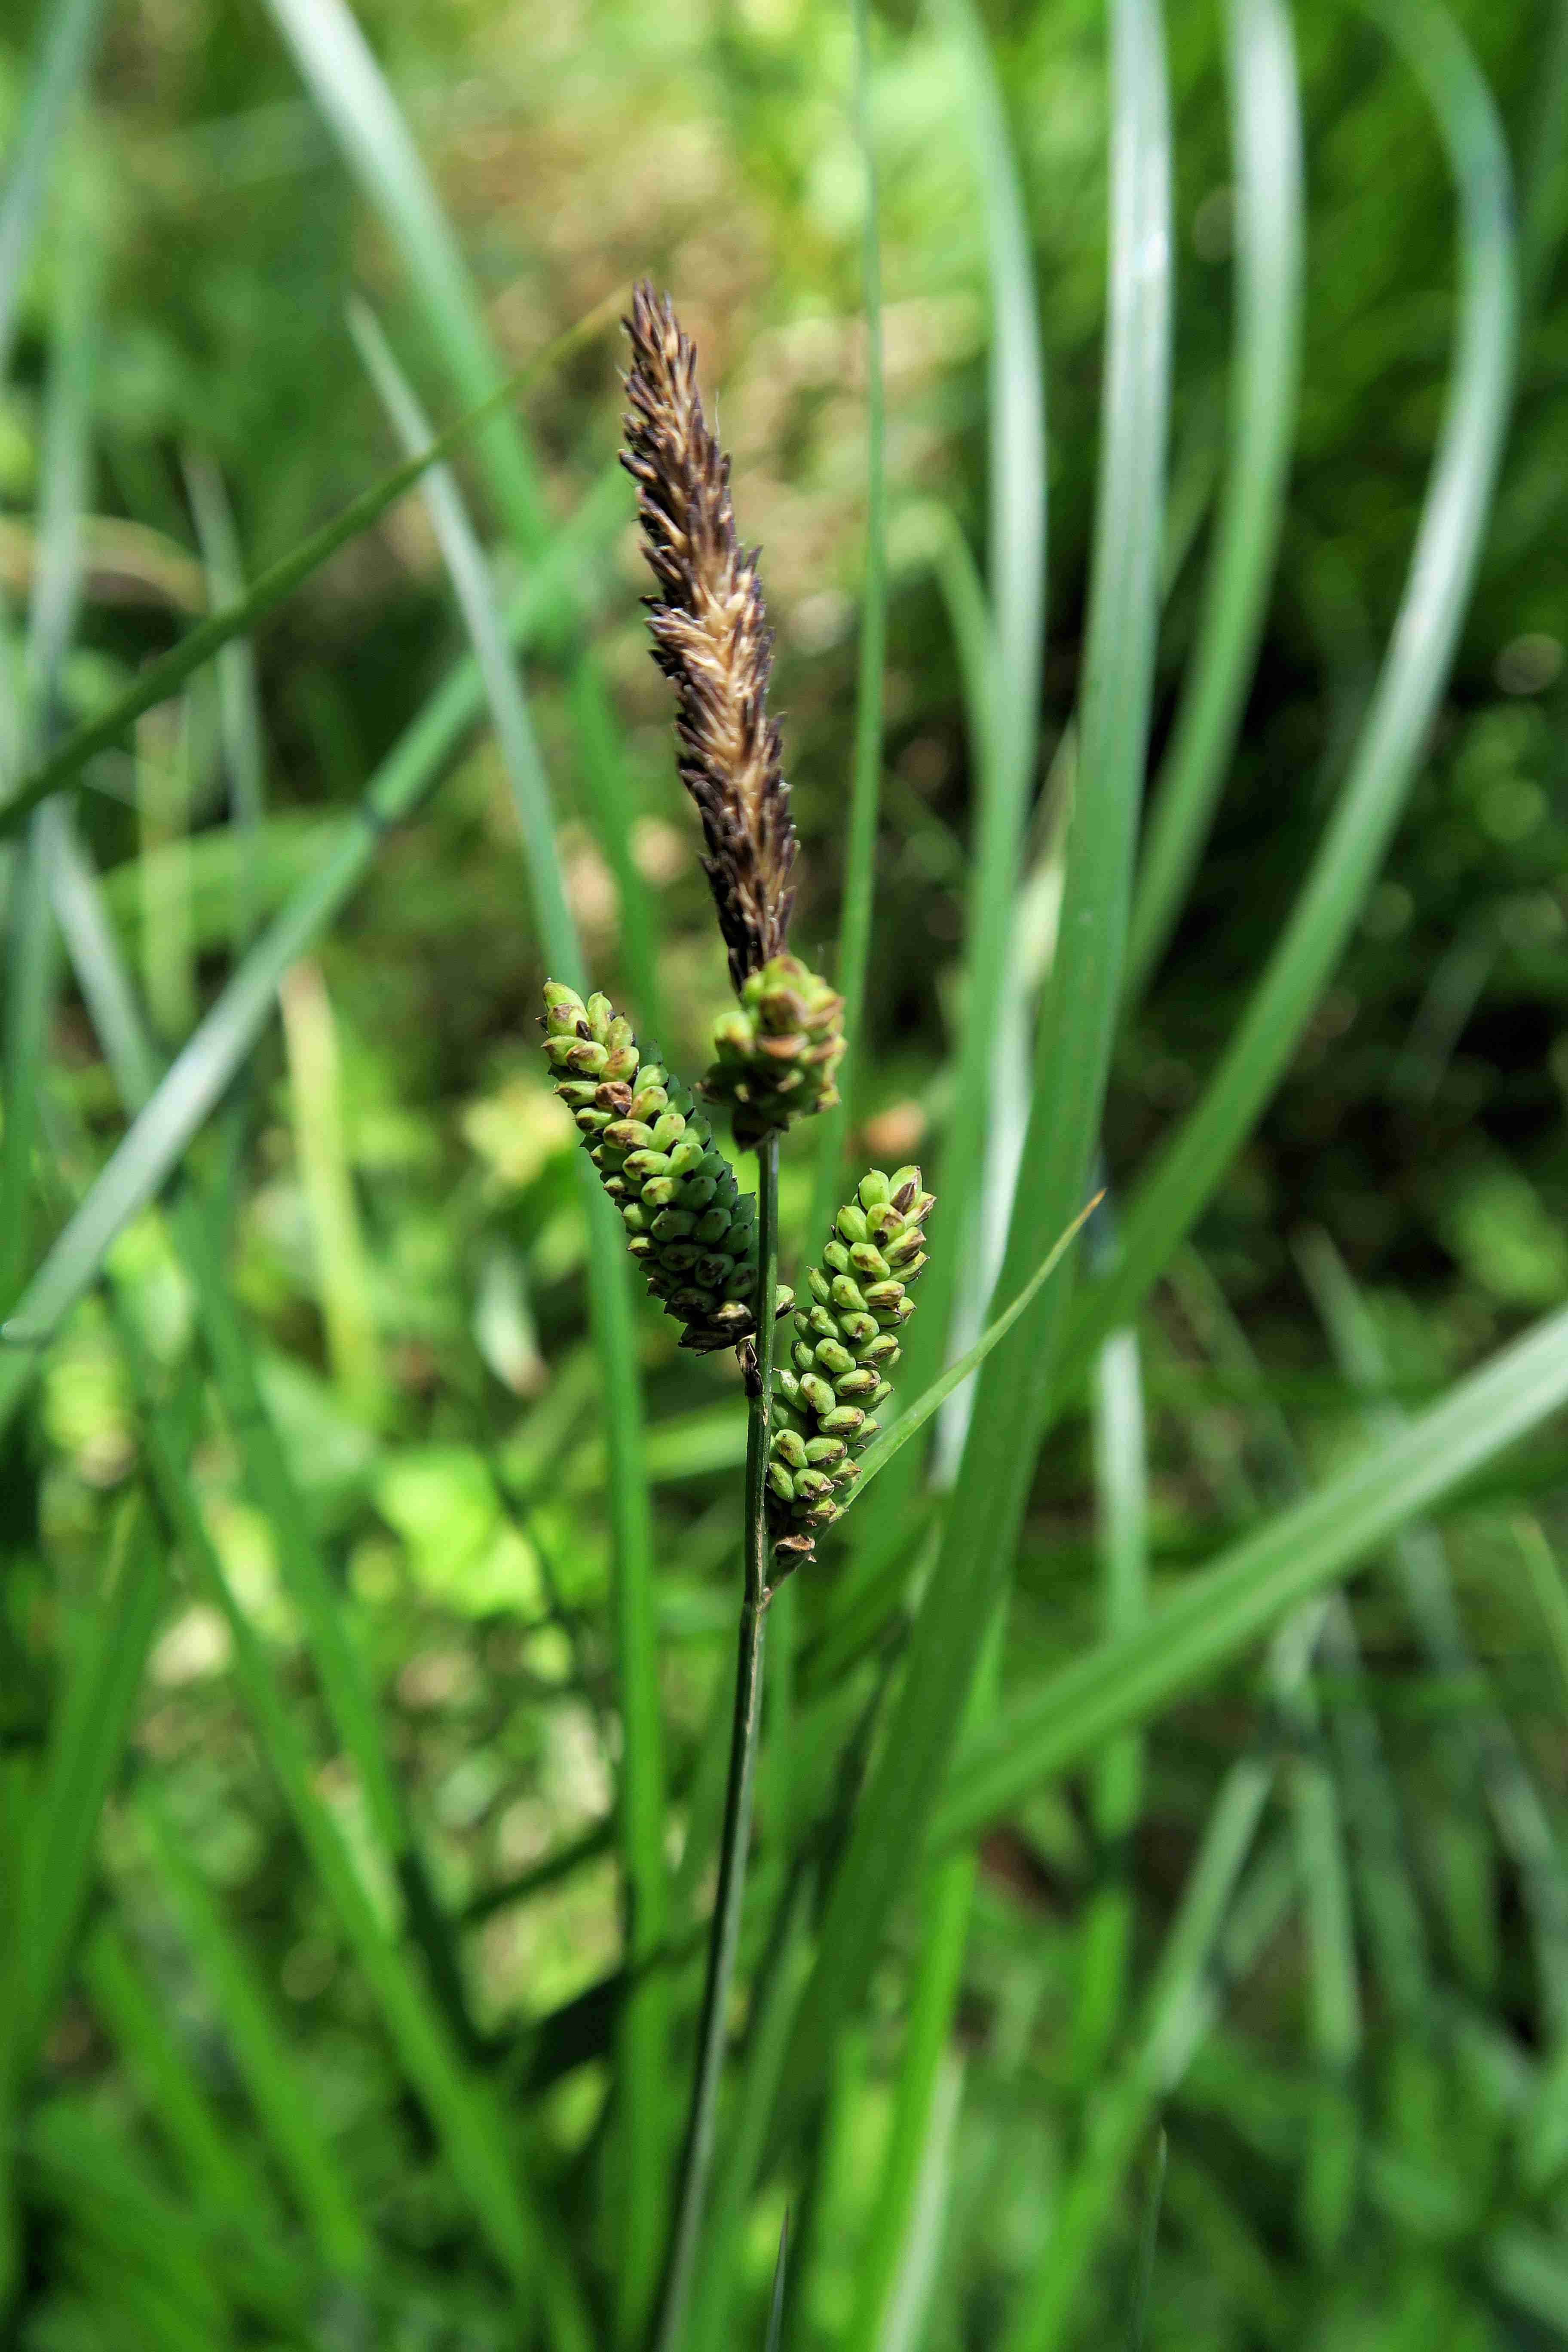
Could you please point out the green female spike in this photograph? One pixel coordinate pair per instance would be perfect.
(844, 1347)
(693, 1235)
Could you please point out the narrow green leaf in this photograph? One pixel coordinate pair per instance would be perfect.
(162, 679)
(341, 71)
(87, 1738)
(1072, 1067)
(69, 31)
(865, 774)
(1266, 145)
(999, 629)
(205, 1065)
(277, 2087)
(644, 2023)
(219, 2181)
(1220, 1611)
(776, 2305)
(1453, 523)
(882, 1449)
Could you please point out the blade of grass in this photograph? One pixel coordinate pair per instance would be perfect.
(341, 71)
(31, 957)
(1148, 2246)
(1221, 1609)
(1522, 1823)
(893, 1441)
(1551, 1594)
(776, 2300)
(242, 750)
(222, 2185)
(1121, 1491)
(458, 2103)
(162, 679)
(643, 2026)
(87, 1738)
(1179, 2008)
(947, 1901)
(999, 630)
(206, 1064)
(276, 2086)
(1071, 1067)
(865, 774)
(779, 1985)
(68, 35)
(1266, 146)
(315, 1096)
(1448, 541)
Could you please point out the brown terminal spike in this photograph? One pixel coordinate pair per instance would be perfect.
(711, 637)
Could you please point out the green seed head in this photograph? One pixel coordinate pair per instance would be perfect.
(844, 1345)
(686, 1223)
(777, 1055)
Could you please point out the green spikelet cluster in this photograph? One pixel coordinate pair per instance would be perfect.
(687, 1225)
(777, 1054)
(844, 1347)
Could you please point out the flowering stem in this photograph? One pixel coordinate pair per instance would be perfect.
(724, 1935)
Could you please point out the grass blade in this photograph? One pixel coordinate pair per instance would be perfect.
(1000, 634)
(203, 1069)
(882, 1449)
(163, 678)
(866, 777)
(1523, 1826)
(1300, 1550)
(217, 2178)
(277, 2089)
(92, 1727)
(1122, 1483)
(458, 2106)
(340, 69)
(1071, 1067)
(1177, 2013)
(1453, 524)
(776, 2302)
(69, 32)
(1265, 143)
(645, 2017)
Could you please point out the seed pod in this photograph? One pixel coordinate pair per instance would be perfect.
(832, 1380)
(777, 1055)
(686, 1226)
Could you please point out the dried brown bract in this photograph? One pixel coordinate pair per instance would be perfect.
(710, 637)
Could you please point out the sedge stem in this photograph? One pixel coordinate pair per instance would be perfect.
(724, 1933)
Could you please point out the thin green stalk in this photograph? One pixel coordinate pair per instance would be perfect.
(724, 1933)
(860, 841)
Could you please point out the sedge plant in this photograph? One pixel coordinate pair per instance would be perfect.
(708, 1253)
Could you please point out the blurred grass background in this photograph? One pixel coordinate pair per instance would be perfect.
(228, 2117)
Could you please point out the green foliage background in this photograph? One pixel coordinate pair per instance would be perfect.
(328, 2021)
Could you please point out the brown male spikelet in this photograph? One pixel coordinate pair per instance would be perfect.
(710, 637)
